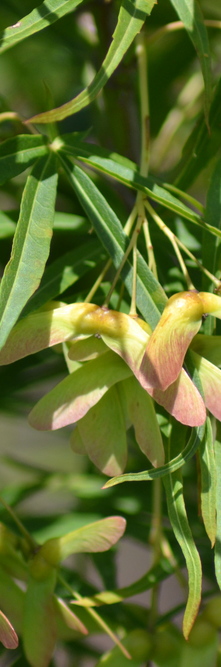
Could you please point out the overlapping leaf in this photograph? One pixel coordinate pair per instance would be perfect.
(41, 17)
(189, 12)
(130, 20)
(150, 295)
(31, 243)
(179, 521)
(20, 152)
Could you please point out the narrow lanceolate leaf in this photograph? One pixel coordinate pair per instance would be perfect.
(176, 463)
(20, 152)
(70, 619)
(208, 482)
(71, 399)
(155, 575)
(211, 244)
(218, 510)
(151, 298)
(8, 636)
(41, 17)
(31, 244)
(96, 537)
(126, 172)
(66, 271)
(130, 20)
(190, 13)
(179, 522)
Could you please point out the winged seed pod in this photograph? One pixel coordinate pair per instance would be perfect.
(121, 358)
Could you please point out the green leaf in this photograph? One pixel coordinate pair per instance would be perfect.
(190, 14)
(96, 537)
(154, 576)
(31, 244)
(142, 415)
(103, 433)
(19, 153)
(211, 245)
(41, 17)
(150, 295)
(64, 272)
(218, 511)
(176, 463)
(71, 399)
(130, 20)
(208, 482)
(179, 522)
(127, 172)
(201, 145)
(8, 635)
(70, 619)
(39, 621)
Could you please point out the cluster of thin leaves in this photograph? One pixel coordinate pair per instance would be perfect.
(80, 186)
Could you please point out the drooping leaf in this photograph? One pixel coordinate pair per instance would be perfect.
(103, 434)
(20, 152)
(179, 522)
(8, 636)
(176, 463)
(211, 244)
(190, 14)
(126, 172)
(208, 482)
(150, 295)
(71, 399)
(201, 145)
(41, 17)
(95, 537)
(130, 20)
(31, 244)
(155, 575)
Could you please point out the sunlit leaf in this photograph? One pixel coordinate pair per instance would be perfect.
(174, 464)
(189, 12)
(130, 20)
(66, 271)
(31, 244)
(41, 17)
(179, 521)
(154, 576)
(95, 537)
(71, 399)
(126, 172)
(218, 512)
(20, 152)
(208, 482)
(150, 295)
